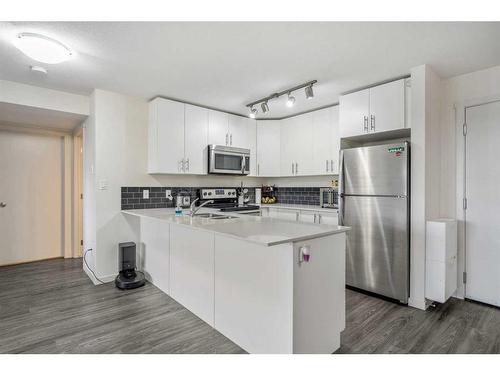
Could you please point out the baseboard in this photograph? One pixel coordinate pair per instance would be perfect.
(29, 261)
(105, 279)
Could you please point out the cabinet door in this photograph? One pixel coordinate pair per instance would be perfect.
(308, 217)
(354, 113)
(155, 252)
(268, 148)
(192, 270)
(243, 133)
(196, 140)
(322, 142)
(335, 153)
(218, 126)
(328, 218)
(288, 145)
(170, 136)
(303, 151)
(387, 106)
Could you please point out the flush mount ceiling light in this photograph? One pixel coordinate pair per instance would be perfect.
(309, 92)
(38, 69)
(253, 112)
(290, 100)
(42, 48)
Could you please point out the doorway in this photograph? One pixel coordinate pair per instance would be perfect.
(31, 196)
(482, 205)
(78, 192)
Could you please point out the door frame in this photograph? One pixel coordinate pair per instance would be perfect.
(461, 179)
(77, 248)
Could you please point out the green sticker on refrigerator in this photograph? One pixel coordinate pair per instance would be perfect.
(396, 149)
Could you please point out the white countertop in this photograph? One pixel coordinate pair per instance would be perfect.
(302, 207)
(261, 230)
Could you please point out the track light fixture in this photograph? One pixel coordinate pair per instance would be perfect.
(308, 86)
(265, 107)
(253, 112)
(309, 92)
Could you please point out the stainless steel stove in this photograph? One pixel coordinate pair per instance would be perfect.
(226, 200)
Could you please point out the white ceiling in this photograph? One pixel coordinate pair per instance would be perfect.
(12, 114)
(226, 65)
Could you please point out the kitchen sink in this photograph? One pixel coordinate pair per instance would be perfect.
(210, 215)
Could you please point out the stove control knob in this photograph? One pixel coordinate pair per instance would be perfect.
(210, 193)
(205, 193)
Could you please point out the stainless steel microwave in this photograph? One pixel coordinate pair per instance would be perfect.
(228, 160)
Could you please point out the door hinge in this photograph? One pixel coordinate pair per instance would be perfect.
(464, 277)
(81, 242)
(465, 203)
(81, 196)
(464, 129)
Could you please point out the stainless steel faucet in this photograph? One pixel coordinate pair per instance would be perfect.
(194, 209)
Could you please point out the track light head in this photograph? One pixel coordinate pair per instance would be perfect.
(265, 107)
(290, 101)
(253, 112)
(309, 92)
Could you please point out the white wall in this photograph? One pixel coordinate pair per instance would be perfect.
(460, 91)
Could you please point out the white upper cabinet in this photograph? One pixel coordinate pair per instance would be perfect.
(196, 139)
(377, 109)
(166, 136)
(387, 106)
(354, 113)
(242, 133)
(218, 128)
(268, 148)
(296, 146)
(326, 142)
(177, 138)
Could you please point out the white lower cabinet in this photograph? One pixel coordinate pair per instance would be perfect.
(192, 270)
(328, 218)
(155, 252)
(285, 214)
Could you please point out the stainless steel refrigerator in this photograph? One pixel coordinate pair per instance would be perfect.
(375, 202)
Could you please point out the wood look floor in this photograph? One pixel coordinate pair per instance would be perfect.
(52, 307)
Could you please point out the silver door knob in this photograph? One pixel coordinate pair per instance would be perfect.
(3, 204)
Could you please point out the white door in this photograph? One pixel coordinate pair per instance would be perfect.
(268, 148)
(218, 133)
(354, 113)
(483, 203)
(31, 191)
(387, 107)
(170, 136)
(196, 140)
(238, 132)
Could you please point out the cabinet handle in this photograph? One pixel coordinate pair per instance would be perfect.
(187, 164)
(314, 219)
(293, 169)
(227, 137)
(296, 168)
(319, 218)
(365, 123)
(372, 122)
(331, 165)
(296, 216)
(258, 169)
(327, 166)
(231, 139)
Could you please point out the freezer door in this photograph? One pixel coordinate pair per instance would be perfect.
(377, 258)
(375, 170)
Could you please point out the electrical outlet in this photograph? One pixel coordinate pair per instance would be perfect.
(168, 194)
(145, 194)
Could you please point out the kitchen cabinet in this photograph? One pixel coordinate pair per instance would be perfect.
(155, 252)
(242, 133)
(192, 270)
(268, 148)
(326, 141)
(373, 110)
(305, 216)
(328, 218)
(177, 138)
(296, 145)
(290, 215)
(195, 140)
(218, 125)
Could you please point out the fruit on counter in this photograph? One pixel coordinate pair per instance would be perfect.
(268, 200)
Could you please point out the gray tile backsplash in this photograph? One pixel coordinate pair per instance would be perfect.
(298, 195)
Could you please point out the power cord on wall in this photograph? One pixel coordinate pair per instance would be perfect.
(90, 269)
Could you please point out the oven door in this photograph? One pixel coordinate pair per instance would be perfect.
(227, 161)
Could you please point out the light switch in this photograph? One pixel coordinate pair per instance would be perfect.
(145, 194)
(168, 194)
(103, 184)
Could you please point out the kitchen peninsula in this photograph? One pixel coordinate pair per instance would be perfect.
(271, 286)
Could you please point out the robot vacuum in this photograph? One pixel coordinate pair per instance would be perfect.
(129, 277)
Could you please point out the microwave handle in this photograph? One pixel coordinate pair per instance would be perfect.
(243, 164)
